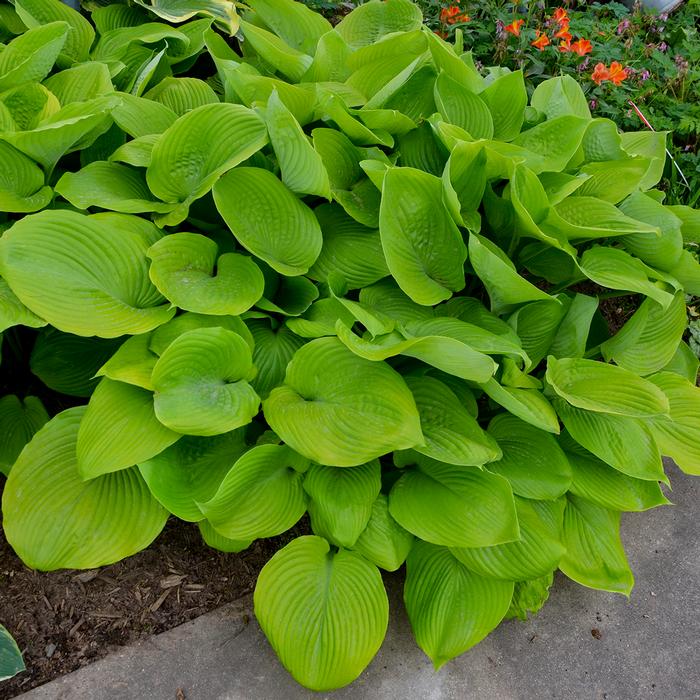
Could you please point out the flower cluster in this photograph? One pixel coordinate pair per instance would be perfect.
(560, 23)
(615, 73)
(453, 15)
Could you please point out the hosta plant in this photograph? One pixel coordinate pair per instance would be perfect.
(264, 267)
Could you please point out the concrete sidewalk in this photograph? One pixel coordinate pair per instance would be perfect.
(583, 644)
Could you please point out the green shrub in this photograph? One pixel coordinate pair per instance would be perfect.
(335, 271)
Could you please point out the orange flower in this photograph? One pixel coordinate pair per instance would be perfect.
(600, 73)
(441, 34)
(452, 15)
(581, 47)
(617, 73)
(565, 46)
(541, 41)
(514, 27)
(561, 15)
(563, 33)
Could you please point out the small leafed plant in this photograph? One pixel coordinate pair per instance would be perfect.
(11, 662)
(290, 269)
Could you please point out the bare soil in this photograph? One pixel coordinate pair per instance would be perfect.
(66, 619)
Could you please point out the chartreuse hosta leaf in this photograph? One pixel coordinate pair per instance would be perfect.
(529, 596)
(339, 409)
(185, 166)
(67, 363)
(82, 82)
(74, 126)
(110, 186)
(201, 383)
(216, 540)
(532, 461)
(293, 22)
(506, 99)
(451, 434)
(384, 542)
(422, 246)
(535, 554)
(679, 437)
(182, 95)
(84, 275)
(625, 443)
(599, 483)
(324, 612)
(529, 405)
(13, 312)
(349, 249)
(191, 470)
(274, 348)
(54, 519)
(182, 268)
(268, 220)
(35, 13)
(119, 429)
(223, 11)
(19, 420)
(450, 607)
(506, 288)
(594, 554)
(461, 107)
(11, 662)
(301, 167)
(31, 55)
(454, 506)
(650, 338)
(560, 96)
(596, 386)
(269, 474)
(22, 186)
(341, 500)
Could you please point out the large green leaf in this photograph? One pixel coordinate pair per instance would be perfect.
(267, 474)
(301, 166)
(22, 186)
(596, 386)
(295, 23)
(275, 52)
(650, 338)
(599, 483)
(532, 461)
(451, 434)
(13, 312)
(527, 404)
(554, 141)
(454, 506)
(274, 348)
(506, 99)
(183, 269)
(119, 429)
(371, 21)
(384, 542)
(535, 554)
(68, 363)
(132, 363)
(325, 613)
(341, 500)
(560, 96)
(84, 275)
(450, 608)
(109, 186)
(340, 409)
(349, 249)
(423, 248)
(202, 383)
(625, 443)
(506, 288)
(11, 662)
(32, 54)
(223, 11)
(184, 166)
(679, 437)
(53, 519)
(594, 554)
(461, 107)
(268, 220)
(190, 471)
(19, 420)
(35, 13)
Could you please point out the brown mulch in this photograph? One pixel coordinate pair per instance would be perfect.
(66, 619)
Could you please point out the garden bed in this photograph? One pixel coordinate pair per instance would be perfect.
(67, 619)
